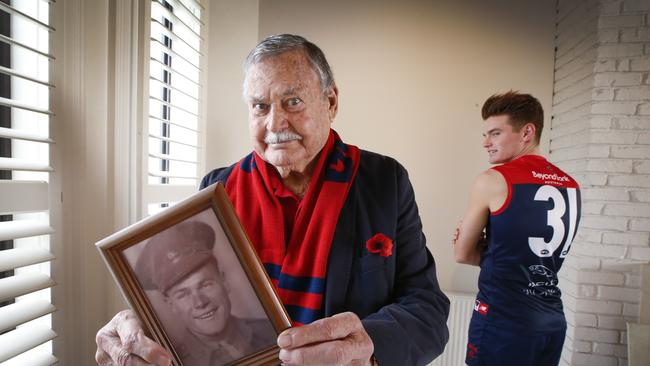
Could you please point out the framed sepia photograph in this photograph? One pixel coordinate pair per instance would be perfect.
(195, 281)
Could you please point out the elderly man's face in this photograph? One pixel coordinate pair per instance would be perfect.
(201, 301)
(289, 116)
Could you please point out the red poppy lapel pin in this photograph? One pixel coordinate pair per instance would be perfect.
(380, 244)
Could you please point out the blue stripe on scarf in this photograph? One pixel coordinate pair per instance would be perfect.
(273, 270)
(303, 315)
(338, 154)
(248, 163)
(295, 283)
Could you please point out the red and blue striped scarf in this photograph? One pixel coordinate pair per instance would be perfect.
(297, 265)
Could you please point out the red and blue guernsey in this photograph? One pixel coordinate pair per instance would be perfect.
(527, 241)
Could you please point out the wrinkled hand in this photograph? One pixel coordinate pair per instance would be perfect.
(122, 342)
(337, 340)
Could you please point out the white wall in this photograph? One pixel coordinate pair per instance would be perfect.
(412, 77)
(232, 33)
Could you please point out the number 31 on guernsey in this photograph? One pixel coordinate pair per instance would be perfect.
(554, 219)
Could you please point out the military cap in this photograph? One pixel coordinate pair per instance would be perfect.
(172, 254)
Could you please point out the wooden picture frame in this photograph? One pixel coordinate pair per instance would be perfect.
(157, 263)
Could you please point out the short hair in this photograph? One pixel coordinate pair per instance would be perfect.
(281, 43)
(520, 109)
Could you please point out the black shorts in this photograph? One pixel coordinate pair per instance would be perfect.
(488, 345)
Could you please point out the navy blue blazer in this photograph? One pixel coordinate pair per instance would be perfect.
(397, 297)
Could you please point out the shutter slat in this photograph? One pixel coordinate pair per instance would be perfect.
(23, 196)
(21, 257)
(172, 158)
(23, 284)
(11, 133)
(171, 34)
(22, 164)
(163, 174)
(196, 3)
(176, 18)
(22, 339)
(11, 41)
(188, 11)
(23, 228)
(11, 10)
(173, 140)
(13, 104)
(173, 123)
(21, 312)
(12, 72)
(175, 54)
(164, 84)
(174, 71)
(175, 106)
(32, 359)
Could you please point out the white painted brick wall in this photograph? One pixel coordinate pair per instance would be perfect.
(640, 64)
(640, 224)
(630, 152)
(600, 134)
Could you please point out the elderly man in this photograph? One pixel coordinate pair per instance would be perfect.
(179, 263)
(337, 227)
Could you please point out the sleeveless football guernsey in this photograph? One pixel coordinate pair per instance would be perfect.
(527, 241)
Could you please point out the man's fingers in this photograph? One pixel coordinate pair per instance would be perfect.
(328, 353)
(122, 342)
(140, 352)
(102, 358)
(340, 339)
(148, 350)
(107, 342)
(117, 353)
(351, 350)
(326, 329)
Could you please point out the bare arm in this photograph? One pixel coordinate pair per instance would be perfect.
(488, 194)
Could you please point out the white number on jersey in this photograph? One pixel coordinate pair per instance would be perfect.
(554, 219)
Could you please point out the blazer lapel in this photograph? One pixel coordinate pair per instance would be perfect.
(341, 257)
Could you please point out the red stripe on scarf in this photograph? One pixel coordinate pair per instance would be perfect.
(306, 300)
(251, 188)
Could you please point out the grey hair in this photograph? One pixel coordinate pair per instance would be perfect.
(281, 43)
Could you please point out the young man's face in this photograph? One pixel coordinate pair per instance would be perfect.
(501, 141)
(201, 301)
(289, 116)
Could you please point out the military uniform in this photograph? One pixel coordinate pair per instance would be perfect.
(243, 337)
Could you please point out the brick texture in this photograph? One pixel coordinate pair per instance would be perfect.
(600, 134)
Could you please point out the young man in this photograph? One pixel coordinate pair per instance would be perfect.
(529, 210)
(180, 264)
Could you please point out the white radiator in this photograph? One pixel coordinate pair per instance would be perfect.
(460, 313)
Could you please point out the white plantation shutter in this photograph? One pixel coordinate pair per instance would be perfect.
(25, 301)
(173, 125)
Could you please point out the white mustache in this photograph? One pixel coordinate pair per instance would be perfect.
(277, 138)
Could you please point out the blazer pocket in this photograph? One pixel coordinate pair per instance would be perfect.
(372, 262)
